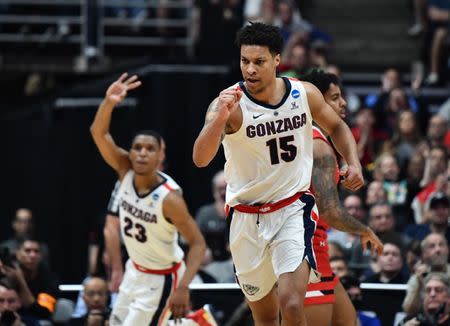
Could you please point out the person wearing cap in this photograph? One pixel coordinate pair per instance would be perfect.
(437, 217)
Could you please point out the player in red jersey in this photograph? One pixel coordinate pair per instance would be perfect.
(326, 302)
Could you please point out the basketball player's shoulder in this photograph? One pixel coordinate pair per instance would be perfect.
(169, 183)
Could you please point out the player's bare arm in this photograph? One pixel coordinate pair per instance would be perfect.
(340, 134)
(111, 232)
(175, 209)
(328, 202)
(222, 117)
(115, 156)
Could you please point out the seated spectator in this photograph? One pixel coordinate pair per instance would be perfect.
(434, 259)
(39, 279)
(366, 135)
(382, 222)
(388, 172)
(437, 215)
(375, 193)
(435, 165)
(435, 307)
(412, 256)
(390, 80)
(405, 139)
(212, 221)
(339, 266)
(437, 131)
(390, 265)
(23, 225)
(95, 296)
(438, 16)
(297, 61)
(289, 20)
(9, 306)
(352, 286)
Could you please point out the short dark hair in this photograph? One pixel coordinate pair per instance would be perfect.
(261, 34)
(31, 238)
(338, 258)
(321, 79)
(148, 132)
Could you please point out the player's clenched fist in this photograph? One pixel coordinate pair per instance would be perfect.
(229, 101)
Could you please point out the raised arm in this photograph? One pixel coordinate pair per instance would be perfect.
(115, 156)
(222, 117)
(328, 202)
(175, 209)
(340, 134)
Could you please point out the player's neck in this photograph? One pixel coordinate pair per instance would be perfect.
(273, 93)
(146, 182)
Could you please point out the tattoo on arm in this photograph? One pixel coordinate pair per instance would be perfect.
(212, 111)
(330, 208)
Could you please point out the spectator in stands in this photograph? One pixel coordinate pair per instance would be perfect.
(95, 296)
(390, 80)
(23, 225)
(437, 215)
(297, 61)
(382, 222)
(437, 132)
(339, 266)
(388, 172)
(212, 221)
(405, 139)
(289, 20)
(375, 193)
(412, 256)
(414, 174)
(391, 265)
(352, 286)
(435, 165)
(366, 135)
(10, 305)
(435, 303)
(438, 16)
(40, 281)
(434, 259)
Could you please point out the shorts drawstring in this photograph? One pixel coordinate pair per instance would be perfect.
(257, 220)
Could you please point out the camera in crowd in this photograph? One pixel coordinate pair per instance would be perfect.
(7, 318)
(431, 320)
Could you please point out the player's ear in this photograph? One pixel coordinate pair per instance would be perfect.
(277, 59)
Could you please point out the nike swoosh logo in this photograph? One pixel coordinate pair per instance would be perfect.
(256, 116)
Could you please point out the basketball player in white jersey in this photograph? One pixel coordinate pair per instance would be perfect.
(327, 302)
(265, 126)
(152, 211)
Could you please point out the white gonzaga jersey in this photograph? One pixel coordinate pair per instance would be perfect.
(270, 157)
(151, 241)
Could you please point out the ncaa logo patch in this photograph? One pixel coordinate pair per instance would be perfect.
(155, 196)
(250, 289)
(295, 93)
